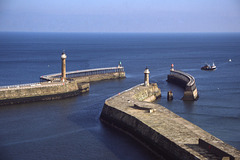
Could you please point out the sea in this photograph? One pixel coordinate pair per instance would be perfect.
(70, 128)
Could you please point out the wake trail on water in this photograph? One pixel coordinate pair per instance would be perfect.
(46, 138)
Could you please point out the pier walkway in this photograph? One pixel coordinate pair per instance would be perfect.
(30, 85)
(162, 131)
(83, 73)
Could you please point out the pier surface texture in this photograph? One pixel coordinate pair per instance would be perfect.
(186, 81)
(54, 88)
(162, 131)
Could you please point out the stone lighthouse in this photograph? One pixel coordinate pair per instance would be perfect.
(146, 77)
(63, 57)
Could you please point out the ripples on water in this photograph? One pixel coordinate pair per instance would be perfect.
(70, 128)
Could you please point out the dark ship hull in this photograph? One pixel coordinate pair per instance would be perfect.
(209, 68)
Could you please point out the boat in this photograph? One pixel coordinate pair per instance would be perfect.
(209, 67)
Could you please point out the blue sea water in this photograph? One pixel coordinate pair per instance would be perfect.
(71, 129)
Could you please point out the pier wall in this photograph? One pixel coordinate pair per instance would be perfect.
(41, 92)
(186, 81)
(99, 77)
(160, 130)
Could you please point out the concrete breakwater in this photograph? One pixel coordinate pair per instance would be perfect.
(53, 87)
(162, 131)
(40, 92)
(186, 81)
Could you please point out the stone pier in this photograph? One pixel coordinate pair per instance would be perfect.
(59, 85)
(40, 92)
(186, 81)
(160, 130)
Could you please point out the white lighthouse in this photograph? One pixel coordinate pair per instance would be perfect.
(146, 77)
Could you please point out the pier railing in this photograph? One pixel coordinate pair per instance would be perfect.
(29, 85)
(81, 73)
(19, 85)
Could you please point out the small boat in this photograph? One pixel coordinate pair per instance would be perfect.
(209, 67)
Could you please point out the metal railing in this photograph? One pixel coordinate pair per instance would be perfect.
(82, 73)
(29, 85)
(20, 85)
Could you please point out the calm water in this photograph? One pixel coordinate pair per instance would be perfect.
(70, 128)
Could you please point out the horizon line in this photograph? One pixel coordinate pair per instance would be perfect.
(119, 32)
